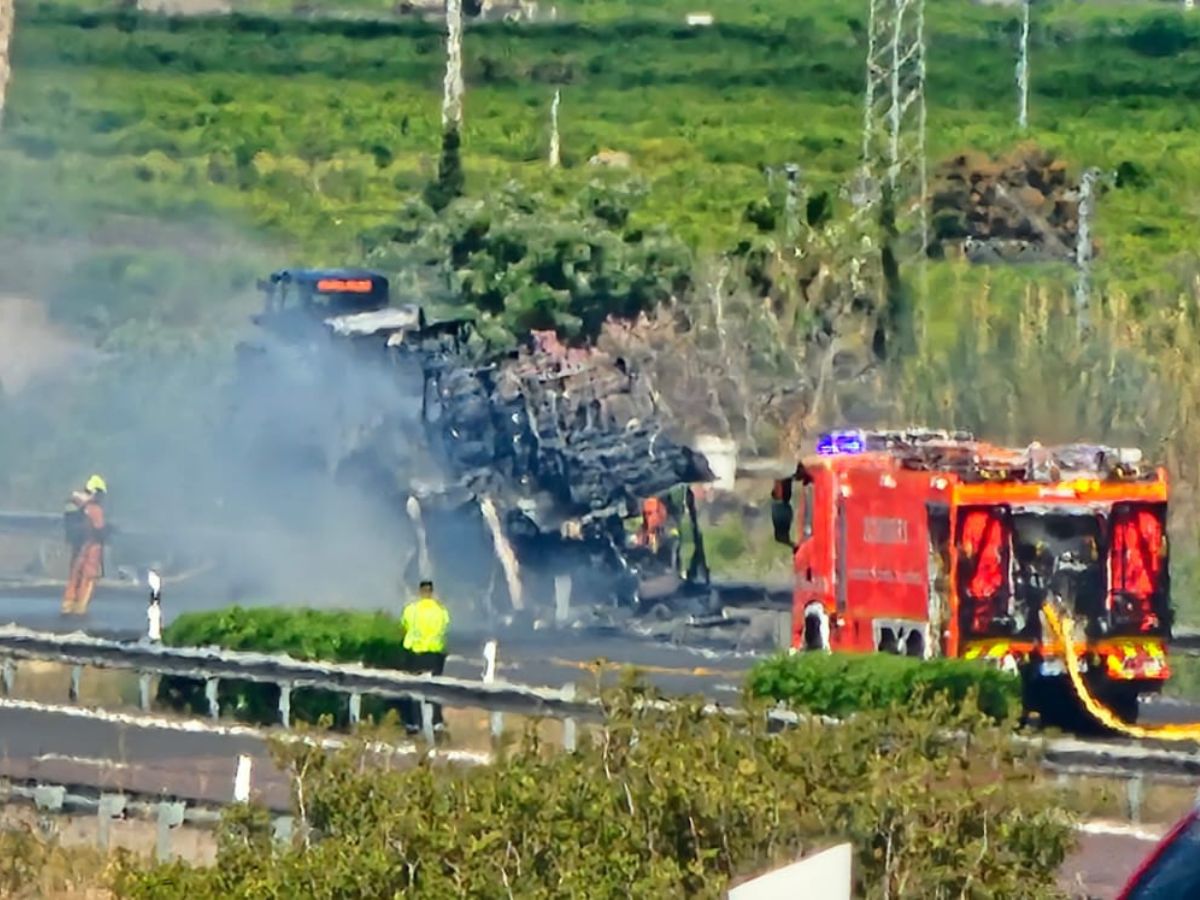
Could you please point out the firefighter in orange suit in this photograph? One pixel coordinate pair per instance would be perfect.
(87, 562)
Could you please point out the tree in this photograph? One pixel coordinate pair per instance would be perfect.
(7, 19)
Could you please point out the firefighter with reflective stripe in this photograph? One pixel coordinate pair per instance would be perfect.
(87, 531)
(425, 622)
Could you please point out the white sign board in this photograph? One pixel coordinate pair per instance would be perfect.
(823, 876)
(721, 454)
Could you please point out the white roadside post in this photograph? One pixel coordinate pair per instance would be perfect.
(154, 609)
(489, 677)
(153, 633)
(241, 779)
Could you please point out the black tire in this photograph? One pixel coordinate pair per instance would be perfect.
(914, 645)
(812, 634)
(1123, 702)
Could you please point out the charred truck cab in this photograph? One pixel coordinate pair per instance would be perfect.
(932, 544)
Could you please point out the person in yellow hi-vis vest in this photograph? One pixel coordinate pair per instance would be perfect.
(425, 622)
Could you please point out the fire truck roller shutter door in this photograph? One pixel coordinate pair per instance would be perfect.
(1137, 557)
(982, 544)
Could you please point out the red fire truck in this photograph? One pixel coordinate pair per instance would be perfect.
(930, 543)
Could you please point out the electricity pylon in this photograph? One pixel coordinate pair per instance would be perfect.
(7, 16)
(895, 188)
(1023, 70)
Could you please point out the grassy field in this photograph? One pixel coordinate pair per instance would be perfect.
(317, 130)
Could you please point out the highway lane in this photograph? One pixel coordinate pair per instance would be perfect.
(1101, 863)
(58, 749)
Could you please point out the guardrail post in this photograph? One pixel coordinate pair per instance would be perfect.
(1133, 796)
(241, 779)
(110, 807)
(48, 798)
(355, 709)
(211, 694)
(570, 727)
(285, 705)
(427, 720)
(562, 599)
(490, 650)
(170, 815)
(76, 676)
(282, 829)
(144, 691)
(8, 674)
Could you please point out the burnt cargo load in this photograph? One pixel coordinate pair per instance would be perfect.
(933, 544)
(436, 430)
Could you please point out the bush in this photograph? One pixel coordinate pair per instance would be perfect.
(373, 639)
(838, 684)
(661, 804)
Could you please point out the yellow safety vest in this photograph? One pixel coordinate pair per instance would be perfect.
(425, 622)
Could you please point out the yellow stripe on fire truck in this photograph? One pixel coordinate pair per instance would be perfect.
(995, 651)
(1133, 659)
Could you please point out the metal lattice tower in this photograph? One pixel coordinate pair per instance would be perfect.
(1023, 70)
(452, 87)
(893, 139)
(7, 14)
(1083, 248)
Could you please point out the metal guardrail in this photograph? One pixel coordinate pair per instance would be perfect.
(212, 665)
(1185, 640)
(109, 807)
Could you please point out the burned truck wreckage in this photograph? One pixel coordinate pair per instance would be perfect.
(516, 479)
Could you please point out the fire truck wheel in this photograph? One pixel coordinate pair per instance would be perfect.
(914, 645)
(1123, 702)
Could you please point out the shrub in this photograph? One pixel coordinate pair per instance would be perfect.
(373, 639)
(837, 684)
(661, 804)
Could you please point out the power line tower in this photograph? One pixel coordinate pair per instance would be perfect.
(895, 188)
(1023, 70)
(1083, 248)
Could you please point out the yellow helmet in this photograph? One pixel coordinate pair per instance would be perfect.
(96, 483)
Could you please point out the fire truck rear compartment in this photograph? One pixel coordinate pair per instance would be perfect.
(1052, 551)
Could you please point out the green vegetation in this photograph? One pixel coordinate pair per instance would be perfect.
(321, 129)
(839, 684)
(661, 804)
(32, 867)
(825, 684)
(330, 635)
(373, 639)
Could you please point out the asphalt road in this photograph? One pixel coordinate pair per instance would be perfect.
(56, 749)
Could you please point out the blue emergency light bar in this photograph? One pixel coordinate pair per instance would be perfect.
(833, 442)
